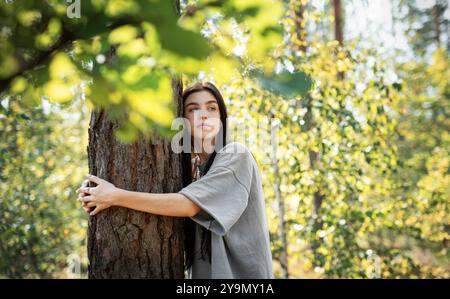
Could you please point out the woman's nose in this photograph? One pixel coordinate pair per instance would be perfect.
(203, 115)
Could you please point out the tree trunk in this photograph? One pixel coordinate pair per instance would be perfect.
(338, 29)
(297, 10)
(338, 26)
(314, 222)
(124, 243)
(279, 199)
(437, 24)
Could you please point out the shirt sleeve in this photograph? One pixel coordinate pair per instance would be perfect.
(223, 192)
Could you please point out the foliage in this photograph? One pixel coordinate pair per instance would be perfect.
(375, 153)
(122, 54)
(363, 161)
(41, 161)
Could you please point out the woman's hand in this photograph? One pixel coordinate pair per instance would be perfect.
(81, 194)
(101, 197)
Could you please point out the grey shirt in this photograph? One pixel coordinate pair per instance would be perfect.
(233, 209)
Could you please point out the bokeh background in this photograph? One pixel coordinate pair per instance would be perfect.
(358, 183)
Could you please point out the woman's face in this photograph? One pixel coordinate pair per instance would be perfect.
(202, 111)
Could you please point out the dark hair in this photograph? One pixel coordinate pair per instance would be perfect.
(189, 227)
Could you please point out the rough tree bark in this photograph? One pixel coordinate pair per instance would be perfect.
(123, 243)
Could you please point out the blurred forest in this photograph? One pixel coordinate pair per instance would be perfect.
(357, 184)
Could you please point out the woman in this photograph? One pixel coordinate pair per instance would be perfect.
(226, 232)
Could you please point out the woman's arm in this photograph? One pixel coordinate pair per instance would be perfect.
(165, 204)
(105, 195)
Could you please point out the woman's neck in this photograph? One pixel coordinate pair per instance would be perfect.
(203, 157)
(207, 149)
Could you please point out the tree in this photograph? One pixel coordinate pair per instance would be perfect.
(332, 200)
(40, 158)
(123, 243)
(283, 259)
(45, 54)
(338, 22)
(428, 24)
(423, 180)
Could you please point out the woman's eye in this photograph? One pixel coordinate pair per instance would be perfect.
(213, 108)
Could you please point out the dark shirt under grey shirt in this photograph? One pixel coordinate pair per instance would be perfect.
(233, 209)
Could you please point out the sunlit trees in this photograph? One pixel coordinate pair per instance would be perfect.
(121, 57)
(358, 179)
(423, 178)
(357, 127)
(42, 158)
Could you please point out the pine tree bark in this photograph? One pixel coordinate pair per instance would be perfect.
(124, 243)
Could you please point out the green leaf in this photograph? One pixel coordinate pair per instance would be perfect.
(183, 42)
(285, 84)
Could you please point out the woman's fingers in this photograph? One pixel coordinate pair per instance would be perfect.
(86, 198)
(84, 192)
(87, 204)
(80, 192)
(96, 211)
(85, 207)
(83, 185)
(89, 190)
(93, 178)
(90, 204)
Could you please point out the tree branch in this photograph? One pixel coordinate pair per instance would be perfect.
(65, 39)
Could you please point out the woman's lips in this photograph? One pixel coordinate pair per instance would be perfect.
(205, 126)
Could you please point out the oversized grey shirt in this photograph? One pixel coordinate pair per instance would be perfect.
(233, 209)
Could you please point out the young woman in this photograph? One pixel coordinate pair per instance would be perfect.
(226, 228)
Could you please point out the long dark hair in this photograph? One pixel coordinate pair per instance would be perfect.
(189, 227)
